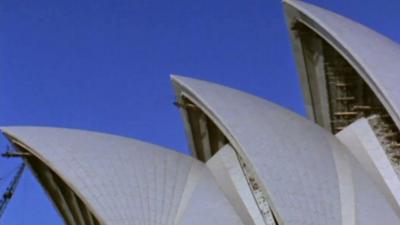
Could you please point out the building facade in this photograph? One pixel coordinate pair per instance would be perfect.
(253, 162)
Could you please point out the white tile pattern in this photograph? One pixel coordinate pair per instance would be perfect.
(124, 181)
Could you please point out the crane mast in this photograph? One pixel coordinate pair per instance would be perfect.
(5, 199)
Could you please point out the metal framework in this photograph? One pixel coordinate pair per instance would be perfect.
(11, 189)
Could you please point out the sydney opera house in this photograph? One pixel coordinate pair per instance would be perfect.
(253, 162)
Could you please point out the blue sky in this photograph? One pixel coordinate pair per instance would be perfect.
(104, 65)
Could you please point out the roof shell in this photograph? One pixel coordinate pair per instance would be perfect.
(292, 156)
(372, 55)
(371, 205)
(362, 142)
(125, 181)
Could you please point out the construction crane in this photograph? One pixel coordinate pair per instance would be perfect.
(11, 189)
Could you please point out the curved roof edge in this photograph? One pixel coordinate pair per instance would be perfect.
(372, 55)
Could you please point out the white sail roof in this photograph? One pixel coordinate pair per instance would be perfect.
(121, 180)
(373, 56)
(292, 156)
